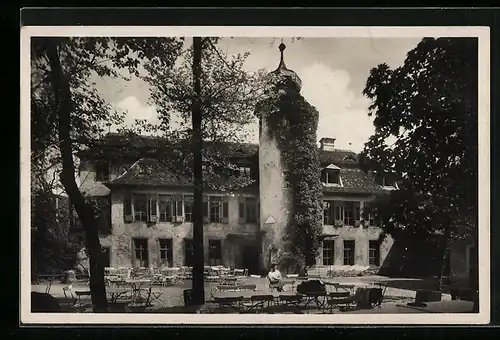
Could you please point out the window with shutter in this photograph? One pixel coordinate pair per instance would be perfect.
(105, 214)
(328, 213)
(374, 253)
(140, 208)
(251, 210)
(241, 210)
(166, 253)
(215, 209)
(127, 210)
(214, 252)
(352, 213)
(165, 207)
(140, 253)
(225, 209)
(153, 209)
(328, 253)
(188, 252)
(178, 203)
(188, 208)
(349, 248)
(339, 213)
(206, 217)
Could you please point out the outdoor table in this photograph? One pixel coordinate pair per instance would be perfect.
(315, 297)
(233, 299)
(50, 278)
(116, 293)
(290, 282)
(248, 294)
(136, 285)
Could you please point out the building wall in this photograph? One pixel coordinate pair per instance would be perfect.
(362, 235)
(275, 200)
(123, 233)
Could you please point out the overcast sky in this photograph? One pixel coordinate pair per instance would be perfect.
(333, 73)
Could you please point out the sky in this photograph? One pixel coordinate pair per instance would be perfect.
(333, 72)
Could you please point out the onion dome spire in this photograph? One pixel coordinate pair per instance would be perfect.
(284, 76)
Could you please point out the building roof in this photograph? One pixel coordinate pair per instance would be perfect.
(151, 172)
(120, 146)
(355, 181)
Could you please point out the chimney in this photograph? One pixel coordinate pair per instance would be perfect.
(327, 144)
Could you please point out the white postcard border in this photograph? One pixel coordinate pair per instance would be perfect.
(483, 35)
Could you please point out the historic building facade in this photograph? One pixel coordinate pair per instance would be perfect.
(146, 211)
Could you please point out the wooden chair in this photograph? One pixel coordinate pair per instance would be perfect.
(258, 303)
(278, 286)
(290, 300)
(232, 302)
(80, 306)
(334, 300)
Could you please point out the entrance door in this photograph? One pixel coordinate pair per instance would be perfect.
(251, 259)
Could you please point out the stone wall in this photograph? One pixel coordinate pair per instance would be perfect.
(123, 233)
(361, 236)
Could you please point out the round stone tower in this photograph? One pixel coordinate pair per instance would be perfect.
(275, 194)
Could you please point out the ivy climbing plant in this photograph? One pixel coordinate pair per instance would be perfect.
(293, 122)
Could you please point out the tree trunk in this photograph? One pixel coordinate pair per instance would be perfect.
(84, 210)
(198, 294)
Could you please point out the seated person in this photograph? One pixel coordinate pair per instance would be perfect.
(274, 277)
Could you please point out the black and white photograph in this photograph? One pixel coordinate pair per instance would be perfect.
(274, 175)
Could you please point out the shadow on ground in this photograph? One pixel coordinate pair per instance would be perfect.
(224, 310)
(416, 284)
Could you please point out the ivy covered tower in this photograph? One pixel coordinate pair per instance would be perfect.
(276, 201)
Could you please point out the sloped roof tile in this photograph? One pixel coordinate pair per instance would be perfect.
(152, 173)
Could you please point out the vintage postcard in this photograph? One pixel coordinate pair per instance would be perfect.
(255, 175)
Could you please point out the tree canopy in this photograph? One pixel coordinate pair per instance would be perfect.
(68, 113)
(228, 97)
(425, 117)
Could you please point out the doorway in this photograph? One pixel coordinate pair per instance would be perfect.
(250, 258)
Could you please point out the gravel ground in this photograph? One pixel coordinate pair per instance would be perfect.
(173, 299)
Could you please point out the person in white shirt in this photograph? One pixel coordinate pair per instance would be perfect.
(274, 277)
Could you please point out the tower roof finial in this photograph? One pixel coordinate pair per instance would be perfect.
(282, 48)
(283, 73)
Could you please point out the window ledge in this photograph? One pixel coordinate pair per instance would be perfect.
(332, 184)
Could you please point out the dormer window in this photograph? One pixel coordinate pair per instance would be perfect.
(101, 171)
(386, 180)
(331, 175)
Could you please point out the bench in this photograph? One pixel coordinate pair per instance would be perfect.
(79, 294)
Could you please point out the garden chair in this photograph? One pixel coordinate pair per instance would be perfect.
(341, 300)
(258, 303)
(290, 300)
(278, 286)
